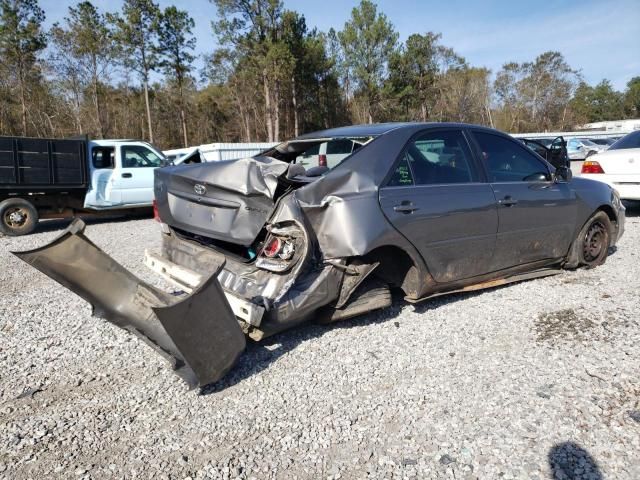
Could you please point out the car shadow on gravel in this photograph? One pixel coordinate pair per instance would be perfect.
(259, 356)
(570, 461)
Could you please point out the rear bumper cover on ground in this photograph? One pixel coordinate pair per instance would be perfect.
(197, 333)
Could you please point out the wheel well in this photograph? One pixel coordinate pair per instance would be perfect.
(610, 213)
(396, 268)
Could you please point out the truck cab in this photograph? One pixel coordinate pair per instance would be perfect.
(121, 173)
(56, 178)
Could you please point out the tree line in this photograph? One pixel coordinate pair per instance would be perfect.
(131, 74)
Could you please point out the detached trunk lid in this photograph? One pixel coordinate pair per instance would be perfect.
(226, 200)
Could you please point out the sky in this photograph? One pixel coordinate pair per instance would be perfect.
(600, 38)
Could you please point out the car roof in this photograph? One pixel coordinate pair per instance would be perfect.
(376, 129)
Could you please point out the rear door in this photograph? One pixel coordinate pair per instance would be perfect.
(536, 215)
(437, 199)
(134, 176)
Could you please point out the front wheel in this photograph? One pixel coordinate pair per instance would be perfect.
(17, 217)
(592, 243)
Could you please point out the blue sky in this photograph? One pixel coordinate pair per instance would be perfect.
(601, 38)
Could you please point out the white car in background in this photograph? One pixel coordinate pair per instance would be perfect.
(619, 166)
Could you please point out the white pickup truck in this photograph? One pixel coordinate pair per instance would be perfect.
(53, 178)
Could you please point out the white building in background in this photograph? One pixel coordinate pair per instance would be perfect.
(212, 152)
(614, 126)
(607, 129)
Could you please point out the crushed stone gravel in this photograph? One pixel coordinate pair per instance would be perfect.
(539, 379)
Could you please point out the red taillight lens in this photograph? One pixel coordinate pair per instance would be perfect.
(591, 166)
(272, 248)
(156, 214)
(322, 160)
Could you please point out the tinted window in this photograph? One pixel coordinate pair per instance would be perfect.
(507, 161)
(439, 157)
(137, 156)
(536, 147)
(315, 150)
(402, 175)
(339, 146)
(102, 157)
(630, 141)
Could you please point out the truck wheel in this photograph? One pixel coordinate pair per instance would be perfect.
(17, 217)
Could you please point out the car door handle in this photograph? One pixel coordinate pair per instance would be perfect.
(127, 175)
(405, 207)
(507, 201)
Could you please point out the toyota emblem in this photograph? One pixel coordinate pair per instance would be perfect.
(199, 189)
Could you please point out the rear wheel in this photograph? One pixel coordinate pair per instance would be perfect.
(593, 241)
(17, 217)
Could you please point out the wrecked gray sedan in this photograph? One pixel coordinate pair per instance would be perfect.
(259, 245)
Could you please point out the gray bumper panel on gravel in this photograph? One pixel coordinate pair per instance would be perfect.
(198, 334)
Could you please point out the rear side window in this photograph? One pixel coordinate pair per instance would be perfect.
(435, 158)
(402, 175)
(508, 161)
(103, 157)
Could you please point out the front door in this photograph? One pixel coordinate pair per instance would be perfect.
(437, 200)
(536, 214)
(558, 155)
(134, 177)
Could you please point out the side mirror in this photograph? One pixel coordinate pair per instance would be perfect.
(563, 174)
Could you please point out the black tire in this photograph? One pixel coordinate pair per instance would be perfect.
(592, 243)
(17, 217)
(371, 295)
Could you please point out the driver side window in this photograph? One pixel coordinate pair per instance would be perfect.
(137, 156)
(507, 161)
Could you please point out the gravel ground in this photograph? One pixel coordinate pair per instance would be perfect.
(531, 380)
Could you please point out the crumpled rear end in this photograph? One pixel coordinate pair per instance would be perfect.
(198, 334)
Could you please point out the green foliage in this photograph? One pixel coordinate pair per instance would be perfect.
(535, 95)
(83, 57)
(21, 40)
(413, 75)
(368, 40)
(130, 73)
(596, 104)
(21, 35)
(176, 42)
(632, 98)
(136, 32)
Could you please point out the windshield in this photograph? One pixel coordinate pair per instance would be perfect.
(630, 141)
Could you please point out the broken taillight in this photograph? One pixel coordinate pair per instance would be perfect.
(591, 166)
(277, 254)
(156, 214)
(272, 247)
(322, 160)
